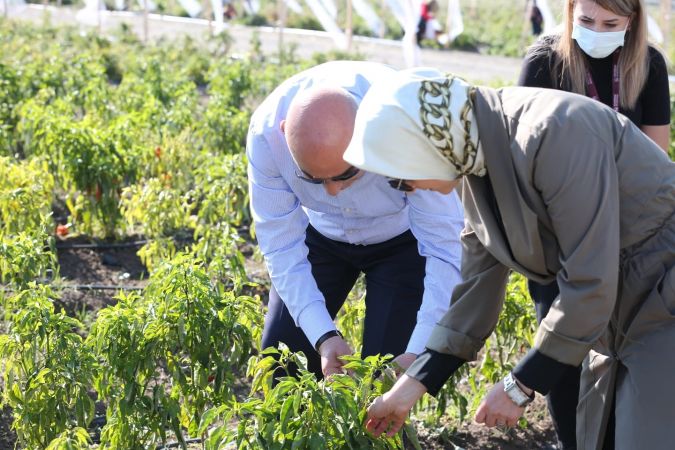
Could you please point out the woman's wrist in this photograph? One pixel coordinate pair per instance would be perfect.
(524, 388)
(406, 392)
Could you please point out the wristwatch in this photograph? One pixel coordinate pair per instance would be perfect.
(324, 337)
(515, 393)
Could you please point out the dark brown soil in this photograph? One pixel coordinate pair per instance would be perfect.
(538, 434)
(7, 435)
(93, 276)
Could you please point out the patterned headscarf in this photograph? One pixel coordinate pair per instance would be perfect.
(418, 125)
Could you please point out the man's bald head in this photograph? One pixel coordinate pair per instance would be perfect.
(318, 127)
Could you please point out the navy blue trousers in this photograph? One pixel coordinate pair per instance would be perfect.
(563, 398)
(394, 276)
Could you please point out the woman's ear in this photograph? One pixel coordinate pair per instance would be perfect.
(282, 126)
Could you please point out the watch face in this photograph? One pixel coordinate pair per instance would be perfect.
(514, 392)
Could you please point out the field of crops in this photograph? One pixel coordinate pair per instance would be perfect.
(132, 293)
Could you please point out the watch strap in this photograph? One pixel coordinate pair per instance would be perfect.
(324, 337)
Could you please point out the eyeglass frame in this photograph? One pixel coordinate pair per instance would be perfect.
(400, 184)
(348, 174)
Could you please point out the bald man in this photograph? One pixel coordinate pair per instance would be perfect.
(321, 222)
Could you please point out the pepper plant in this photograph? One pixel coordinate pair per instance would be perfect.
(9, 98)
(26, 241)
(221, 194)
(301, 412)
(47, 369)
(171, 354)
(26, 190)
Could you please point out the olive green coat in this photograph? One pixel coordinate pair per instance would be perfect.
(576, 193)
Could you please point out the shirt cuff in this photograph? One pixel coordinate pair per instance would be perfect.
(433, 369)
(540, 372)
(419, 338)
(315, 321)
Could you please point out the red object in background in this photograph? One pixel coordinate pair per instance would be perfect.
(426, 13)
(158, 152)
(62, 230)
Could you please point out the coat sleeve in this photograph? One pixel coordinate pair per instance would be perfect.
(578, 182)
(473, 314)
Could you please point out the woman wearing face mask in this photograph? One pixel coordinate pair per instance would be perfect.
(554, 186)
(602, 53)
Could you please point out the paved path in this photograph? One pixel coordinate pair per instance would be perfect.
(473, 66)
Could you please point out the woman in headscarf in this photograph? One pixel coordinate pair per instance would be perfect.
(554, 186)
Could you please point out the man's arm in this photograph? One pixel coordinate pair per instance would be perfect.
(436, 220)
(473, 314)
(280, 229)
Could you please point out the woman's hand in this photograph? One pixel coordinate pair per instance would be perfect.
(390, 411)
(497, 409)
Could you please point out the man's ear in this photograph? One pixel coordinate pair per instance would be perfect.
(282, 126)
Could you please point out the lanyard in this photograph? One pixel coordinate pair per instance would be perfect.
(592, 90)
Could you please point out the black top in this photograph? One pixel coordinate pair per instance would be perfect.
(652, 107)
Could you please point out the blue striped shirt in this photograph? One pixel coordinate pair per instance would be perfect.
(369, 211)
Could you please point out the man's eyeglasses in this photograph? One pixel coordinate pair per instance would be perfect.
(400, 185)
(344, 176)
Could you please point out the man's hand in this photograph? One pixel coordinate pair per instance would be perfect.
(403, 361)
(498, 409)
(331, 350)
(389, 411)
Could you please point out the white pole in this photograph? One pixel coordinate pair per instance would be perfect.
(6, 3)
(146, 13)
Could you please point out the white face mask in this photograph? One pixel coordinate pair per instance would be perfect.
(595, 44)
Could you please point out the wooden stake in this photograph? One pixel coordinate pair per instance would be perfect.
(383, 28)
(208, 11)
(98, 15)
(665, 23)
(281, 11)
(348, 27)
